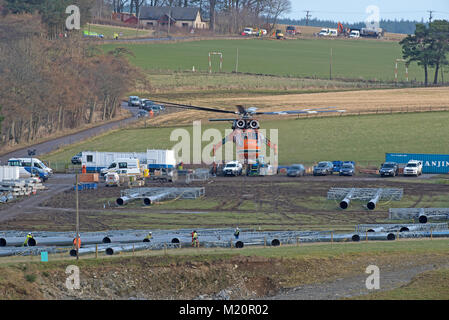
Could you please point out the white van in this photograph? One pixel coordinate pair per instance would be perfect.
(354, 34)
(129, 165)
(324, 32)
(26, 162)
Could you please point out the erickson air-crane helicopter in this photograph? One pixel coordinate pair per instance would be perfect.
(245, 129)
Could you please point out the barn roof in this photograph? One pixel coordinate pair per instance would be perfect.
(176, 13)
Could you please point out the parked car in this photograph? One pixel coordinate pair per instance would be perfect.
(142, 113)
(42, 174)
(142, 103)
(354, 34)
(233, 168)
(323, 168)
(148, 105)
(413, 168)
(133, 101)
(291, 30)
(389, 169)
(76, 159)
(337, 166)
(296, 170)
(347, 169)
(157, 108)
(248, 31)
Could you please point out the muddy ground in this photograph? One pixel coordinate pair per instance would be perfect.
(272, 202)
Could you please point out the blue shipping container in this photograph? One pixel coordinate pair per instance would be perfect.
(432, 163)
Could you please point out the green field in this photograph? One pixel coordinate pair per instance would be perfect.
(108, 31)
(364, 138)
(351, 59)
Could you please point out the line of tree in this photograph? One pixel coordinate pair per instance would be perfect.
(428, 47)
(51, 85)
(224, 15)
(394, 26)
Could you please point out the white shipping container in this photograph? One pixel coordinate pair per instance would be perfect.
(9, 173)
(161, 158)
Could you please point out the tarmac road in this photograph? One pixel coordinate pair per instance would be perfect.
(51, 145)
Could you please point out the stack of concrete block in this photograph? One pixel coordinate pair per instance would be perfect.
(21, 187)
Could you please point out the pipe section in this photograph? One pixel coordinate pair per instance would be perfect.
(148, 201)
(125, 199)
(344, 204)
(372, 203)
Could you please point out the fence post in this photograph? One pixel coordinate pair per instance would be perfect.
(96, 251)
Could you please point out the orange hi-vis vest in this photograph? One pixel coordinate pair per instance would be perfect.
(77, 243)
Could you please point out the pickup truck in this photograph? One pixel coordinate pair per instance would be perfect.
(233, 168)
(413, 168)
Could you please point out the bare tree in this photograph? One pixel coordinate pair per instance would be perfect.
(274, 9)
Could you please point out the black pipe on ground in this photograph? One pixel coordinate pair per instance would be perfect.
(239, 244)
(422, 219)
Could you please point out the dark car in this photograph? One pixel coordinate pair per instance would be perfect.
(148, 105)
(347, 169)
(76, 159)
(389, 169)
(291, 30)
(323, 168)
(296, 170)
(142, 113)
(158, 108)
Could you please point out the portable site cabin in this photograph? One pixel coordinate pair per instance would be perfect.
(11, 173)
(95, 160)
(155, 159)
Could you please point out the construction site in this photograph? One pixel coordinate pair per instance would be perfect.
(259, 161)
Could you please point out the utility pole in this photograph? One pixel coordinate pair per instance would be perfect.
(138, 21)
(308, 16)
(77, 220)
(430, 16)
(169, 20)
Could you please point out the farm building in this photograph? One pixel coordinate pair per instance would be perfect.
(179, 17)
(125, 17)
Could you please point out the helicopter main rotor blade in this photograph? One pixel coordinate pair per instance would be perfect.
(310, 111)
(185, 106)
(222, 119)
